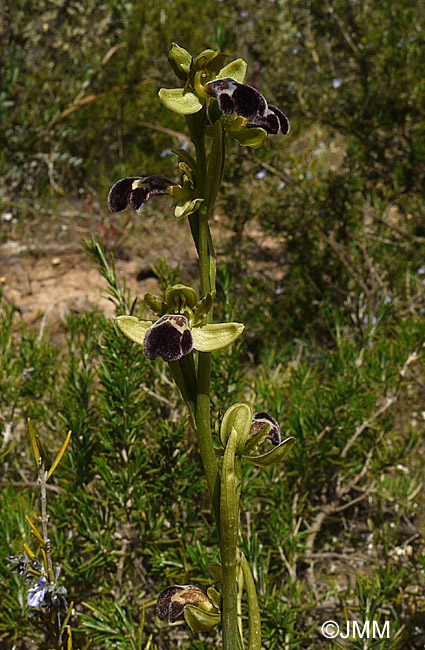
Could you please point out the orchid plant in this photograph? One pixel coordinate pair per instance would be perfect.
(215, 103)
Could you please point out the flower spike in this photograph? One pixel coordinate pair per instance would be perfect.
(136, 190)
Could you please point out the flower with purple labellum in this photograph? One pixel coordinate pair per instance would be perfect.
(200, 606)
(249, 103)
(36, 594)
(251, 431)
(170, 338)
(135, 190)
(259, 420)
(180, 328)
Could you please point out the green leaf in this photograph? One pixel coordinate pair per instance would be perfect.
(199, 620)
(215, 336)
(60, 455)
(235, 70)
(180, 101)
(134, 328)
(274, 456)
(34, 445)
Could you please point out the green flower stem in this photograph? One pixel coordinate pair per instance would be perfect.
(184, 376)
(200, 232)
(203, 426)
(253, 608)
(228, 544)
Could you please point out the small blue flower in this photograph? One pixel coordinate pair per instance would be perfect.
(295, 51)
(421, 270)
(387, 300)
(281, 185)
(261, 174)
(336, 83)
(36, 594)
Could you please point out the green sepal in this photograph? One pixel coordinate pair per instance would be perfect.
(255, 441)
(203, 307)
(155, 304)
(179, 100)
(199, 620)
(180, 60)
(179, 296)
(215, 336)
(186, 157)
(248, 137)
(216, 572)
(238, 417)
(274, 456)
(187, 208)
(133, 328)
(235, 70)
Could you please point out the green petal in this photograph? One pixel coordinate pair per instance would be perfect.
(249, 137)
(274, 456)
(180, 101)
(235, 70)
(187, 208)
(207, 338)
(199, 620)
(134, 328)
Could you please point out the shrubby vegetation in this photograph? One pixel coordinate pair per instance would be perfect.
(335, 324)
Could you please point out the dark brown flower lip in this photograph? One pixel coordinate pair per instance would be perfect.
(172, 600)
(136, 190)
(170, 338)
(248, 102)
(259, 420)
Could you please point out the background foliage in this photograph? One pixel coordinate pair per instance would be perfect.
(323, 260)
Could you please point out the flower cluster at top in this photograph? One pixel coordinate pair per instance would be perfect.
(219, 91)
